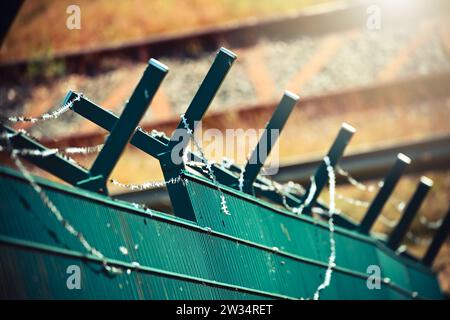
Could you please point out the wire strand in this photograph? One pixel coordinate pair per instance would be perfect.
(223, 202)
(47, 116)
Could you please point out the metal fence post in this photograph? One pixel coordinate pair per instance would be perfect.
(383, 194)
(438, 240)
(179, 197)
(334, 154)
(411, 209)
(265, 144)
(124, 128)
(54, 163)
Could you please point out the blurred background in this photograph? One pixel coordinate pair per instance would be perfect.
(381, 66)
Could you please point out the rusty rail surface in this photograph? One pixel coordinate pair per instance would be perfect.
(318, 20)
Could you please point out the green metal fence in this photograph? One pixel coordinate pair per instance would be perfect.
(234, 234)
(181, 259)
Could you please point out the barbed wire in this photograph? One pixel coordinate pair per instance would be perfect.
(57, 213)
(223, 202)
(47, 116)
(280, 190)
(332, 257)
(399, 205)
(353, 181)
(352, 201)
(52, 151)
(241, 178)
(283, 190)
(433, 225)
(417, 239)
(148, 185)
(154, 133)
(388, 222)
(263, 187)
(311, 191)
(391, 223)
(294, 187)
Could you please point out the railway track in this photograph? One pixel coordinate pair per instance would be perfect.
(313, 65)
(372, 97)
(429, 154)
(319, 20)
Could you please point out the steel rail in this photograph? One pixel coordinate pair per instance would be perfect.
(428, 154)
(405, 91)
(317, 20)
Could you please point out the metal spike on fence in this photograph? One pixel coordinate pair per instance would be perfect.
(54, 163)
(206, 92)
(439, 238)
(278, 120)
(383, 194)
(267, 140)
(124, 128)
(107, 120)
(409, 213)
(162, 148)
(179, 197)
(334, 154)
